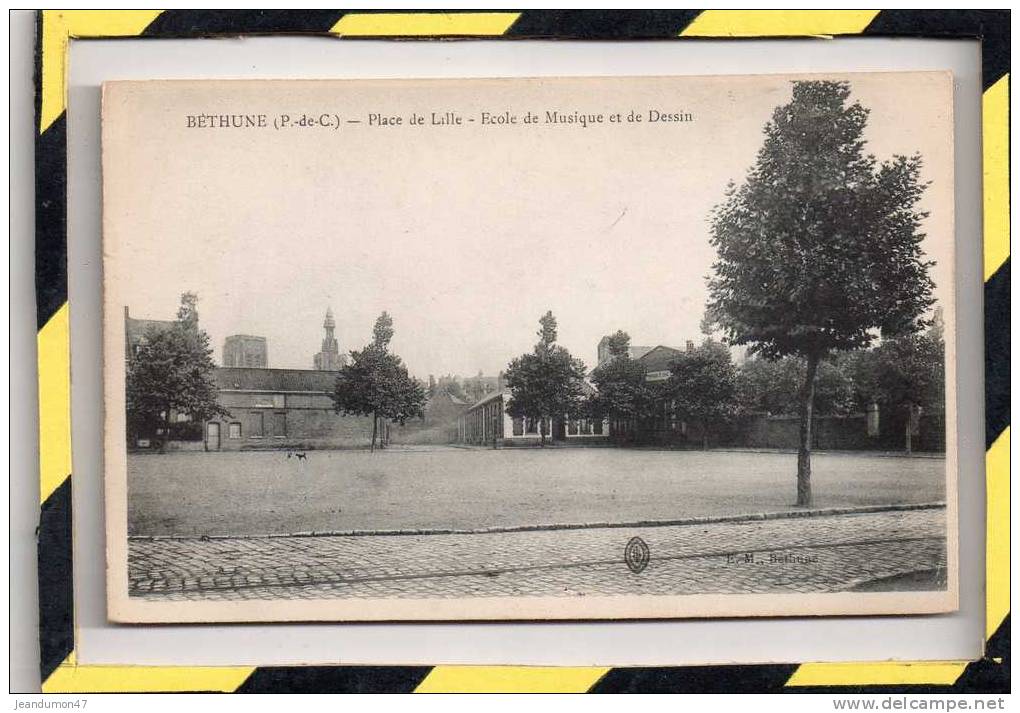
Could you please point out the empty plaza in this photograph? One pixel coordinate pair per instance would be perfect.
(437, 488)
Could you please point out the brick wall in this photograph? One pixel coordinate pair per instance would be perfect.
(836, 433)
(301, 428)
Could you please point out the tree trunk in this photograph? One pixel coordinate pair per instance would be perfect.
(541, 432)
(375, 425)
(704, 439)
(807, 398)
(909, 428)
(166, 430)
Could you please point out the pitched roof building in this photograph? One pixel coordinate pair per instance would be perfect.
(633, 351)
(136, 329)
(275, 408)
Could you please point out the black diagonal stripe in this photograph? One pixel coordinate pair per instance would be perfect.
(334, 679)
(696, 679)
(602, 24)
(56, 595)
(998, 645)
(191, 23)
(992, 26)
(50, 220)
(997, 353)
(988, 675)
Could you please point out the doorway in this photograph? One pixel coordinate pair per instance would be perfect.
(212, 438)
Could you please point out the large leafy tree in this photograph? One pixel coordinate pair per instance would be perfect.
(904, 372)
(546, 383)
(376, 383)
(703, 386)
(171, 373)
(820, 247)
(622, 393)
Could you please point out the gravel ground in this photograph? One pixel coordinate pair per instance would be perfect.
(194, 494)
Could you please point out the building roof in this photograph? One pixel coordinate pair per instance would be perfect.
(443, 394)
(659, 358)
(638, 352)
(587, 388)
(259, 379)
(487, 398)
(136, 328)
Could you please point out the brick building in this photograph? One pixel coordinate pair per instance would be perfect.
(277, 408)
(269, 408)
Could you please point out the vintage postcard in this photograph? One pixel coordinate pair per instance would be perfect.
(563, 348)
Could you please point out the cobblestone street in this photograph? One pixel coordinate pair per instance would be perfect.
(807, 554)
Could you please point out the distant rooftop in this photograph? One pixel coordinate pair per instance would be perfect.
(244, 378)
(659, 358)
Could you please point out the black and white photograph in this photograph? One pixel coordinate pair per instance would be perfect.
(529, 349)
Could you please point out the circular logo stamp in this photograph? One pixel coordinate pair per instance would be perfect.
(636, 554)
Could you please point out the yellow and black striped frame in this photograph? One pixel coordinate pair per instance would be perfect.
(60, 671)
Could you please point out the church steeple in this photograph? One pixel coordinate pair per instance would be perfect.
(329, 343)
(330, 358)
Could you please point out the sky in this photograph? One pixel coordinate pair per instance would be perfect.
(466, 234)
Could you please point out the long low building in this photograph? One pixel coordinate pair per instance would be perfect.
(273, 408)
(487, 423)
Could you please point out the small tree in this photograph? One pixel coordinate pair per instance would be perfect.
(820, 247)
(703, 386)
(546, 383)
(622, 392)
(905, 372)
(171, 373)
(376, 383)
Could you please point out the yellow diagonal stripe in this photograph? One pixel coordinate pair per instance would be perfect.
(778, 23)
(995, 157)
(60, 25)
(884, 673)
(418, 24)
(510, 679)
(997, 534)
(72, 678)
(53, 342)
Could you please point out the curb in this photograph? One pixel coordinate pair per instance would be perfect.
(786, 515)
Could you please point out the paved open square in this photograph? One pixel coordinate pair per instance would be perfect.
(455, 522)
(872, 551)
(401, 489)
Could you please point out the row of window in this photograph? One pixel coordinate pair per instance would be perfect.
(584, 427)
(259, 424)
(575, 427)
